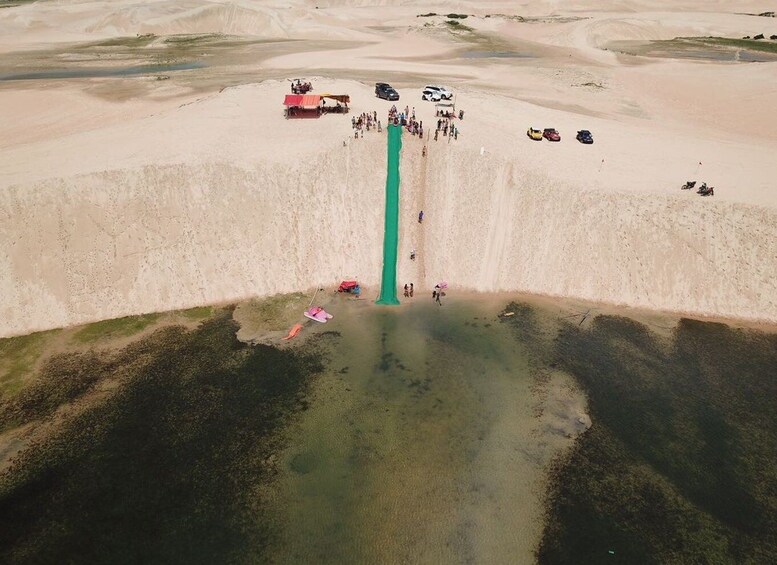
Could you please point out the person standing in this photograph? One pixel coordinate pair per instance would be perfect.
(407, 292)
(421, 217)
(411, 290)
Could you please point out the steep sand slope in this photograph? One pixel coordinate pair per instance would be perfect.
(240, 202)
(121, 196)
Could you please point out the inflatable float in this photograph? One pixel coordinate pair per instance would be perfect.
(295, 329)
(317, 314)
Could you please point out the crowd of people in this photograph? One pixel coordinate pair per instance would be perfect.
(365, 121)
(446, 126)
(406, 119)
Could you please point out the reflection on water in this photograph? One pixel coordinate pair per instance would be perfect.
(86, 72)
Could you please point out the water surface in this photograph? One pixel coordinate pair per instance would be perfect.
(420, 433)
(94, 72)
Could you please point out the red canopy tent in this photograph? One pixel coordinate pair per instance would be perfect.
(302, 100)
(302, 105)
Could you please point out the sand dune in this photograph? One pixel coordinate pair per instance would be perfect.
(181, 192)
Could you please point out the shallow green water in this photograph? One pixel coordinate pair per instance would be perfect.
(701, 48)
(415, 445)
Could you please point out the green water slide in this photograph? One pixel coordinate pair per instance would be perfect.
(388, 287)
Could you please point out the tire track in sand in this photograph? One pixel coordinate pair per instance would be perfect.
(499, 229)
(420, 235)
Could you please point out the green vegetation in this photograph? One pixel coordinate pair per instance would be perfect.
(110, 329)
(703, 48)
(457, 25)
(507, 17)
(171, 467)
(458, 16)
(14, 3)
(678, 466)
(189, 39)
(429, 15)
(271, 314)
(128, 41)
(18, 356)
(198, 313)
(749, 44)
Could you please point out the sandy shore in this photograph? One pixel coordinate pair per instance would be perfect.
(128, 195)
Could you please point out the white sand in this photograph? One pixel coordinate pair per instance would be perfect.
(128, 195)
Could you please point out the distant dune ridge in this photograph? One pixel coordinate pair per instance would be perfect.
(130, 195)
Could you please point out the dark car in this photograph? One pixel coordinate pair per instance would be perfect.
(385, 91)
(584, 136)
(551, 134)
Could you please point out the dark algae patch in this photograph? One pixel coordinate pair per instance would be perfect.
(171, 466)
(679, 465)
(62, 379)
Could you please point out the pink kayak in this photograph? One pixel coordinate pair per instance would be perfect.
(317, 314)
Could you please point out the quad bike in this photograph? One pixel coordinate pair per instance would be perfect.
(708, 191)
(688, 185)
(702, 188)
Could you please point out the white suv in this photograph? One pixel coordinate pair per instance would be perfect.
(436, 93)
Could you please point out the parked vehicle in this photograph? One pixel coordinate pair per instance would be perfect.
(551, 134)
(584, 136)
(535, 134)
(301, 86)
(436, 93)
(385, 91)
